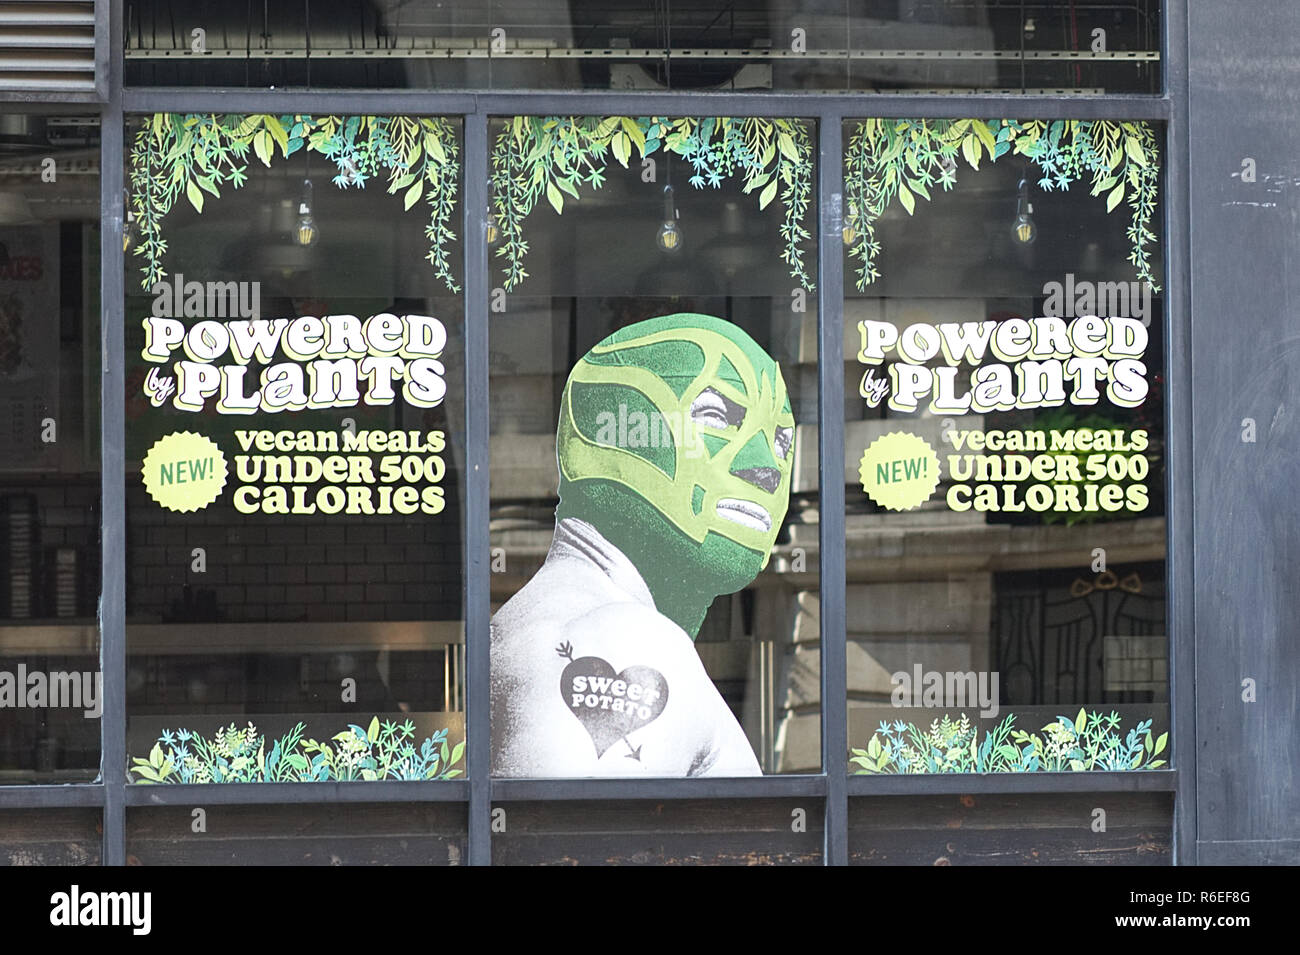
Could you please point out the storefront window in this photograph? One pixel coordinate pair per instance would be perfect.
(642, 433)
(1090, 46)
(51, 688)
(1004, 446)
(653, 446)
(294, 446)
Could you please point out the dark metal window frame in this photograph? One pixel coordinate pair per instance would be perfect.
(832, 786)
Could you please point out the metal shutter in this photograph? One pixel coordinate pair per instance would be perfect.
(47, 45)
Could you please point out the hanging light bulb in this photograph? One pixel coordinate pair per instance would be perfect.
(850, 230)
(1023, 229)
(305, 231)
(130, 233)
(669, 236)
(130, 228)
(492, 230)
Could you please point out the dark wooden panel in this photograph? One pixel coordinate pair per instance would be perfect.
(1246, 852)
(1244, 82)
(685, 832)
(370, 834)
(50, 837)
(1011, 830)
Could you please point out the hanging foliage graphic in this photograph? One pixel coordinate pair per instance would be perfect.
(902, 159)
(555, 156)
(194, 155)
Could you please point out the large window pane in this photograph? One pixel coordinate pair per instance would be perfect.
(294, 446)
(50, 685)
(1004, 369)
(653, 333)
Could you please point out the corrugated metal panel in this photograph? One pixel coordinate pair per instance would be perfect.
(47, 45)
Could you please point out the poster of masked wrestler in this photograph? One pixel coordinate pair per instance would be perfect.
(674, 452)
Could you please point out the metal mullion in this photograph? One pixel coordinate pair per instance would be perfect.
(511, 103)
(1166, 48)
(51, 797)
(112, 603)
(750, 787)
(314, 794)
(349, 102)
(634, 54)
(1180, 567)
(478, 607)
(51, 98)
(833, 653)
(841, 105)
(105, 44)
(845, 105)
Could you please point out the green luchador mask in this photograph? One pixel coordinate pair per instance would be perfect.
(676, 440)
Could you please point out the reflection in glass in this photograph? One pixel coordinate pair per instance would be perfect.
(1004, 447)
(294, 449)
(582, 270)
(1088, 46)
(51, 692)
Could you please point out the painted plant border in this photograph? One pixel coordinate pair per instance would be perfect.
(1089, 742)
(890, 160)
(233, 754)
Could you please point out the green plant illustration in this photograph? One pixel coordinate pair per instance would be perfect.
(194, 155)
(556, 156)
(901, 159)
(1088, 742)
(239, 755)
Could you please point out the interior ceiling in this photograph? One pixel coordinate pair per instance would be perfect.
(597, 23)
(597, 44)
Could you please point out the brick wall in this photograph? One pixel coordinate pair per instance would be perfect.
(63, 515)
(259, 567)
(272, 568)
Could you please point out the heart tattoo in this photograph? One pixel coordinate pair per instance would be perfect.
(611, 705)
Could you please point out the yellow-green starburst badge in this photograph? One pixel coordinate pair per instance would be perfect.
(899, 471)
(184, 471)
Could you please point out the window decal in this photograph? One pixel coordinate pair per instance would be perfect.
(194, 155)
(554, 156)
(639, 554)
(901, 159)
